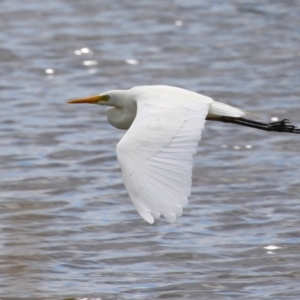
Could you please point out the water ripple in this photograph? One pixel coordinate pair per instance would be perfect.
(68, 228)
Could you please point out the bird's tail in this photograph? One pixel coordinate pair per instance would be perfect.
(217, 110)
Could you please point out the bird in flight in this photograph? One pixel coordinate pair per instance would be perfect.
(156, 153)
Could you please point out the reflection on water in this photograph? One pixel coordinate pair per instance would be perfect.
(68, 229)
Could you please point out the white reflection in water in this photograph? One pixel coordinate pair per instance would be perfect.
(237, 147)
(88, 298)
(83, 50)
(272, 247)
(49, 71)
(132, 61)
(274, 119)
(90, 63)
(178, 23)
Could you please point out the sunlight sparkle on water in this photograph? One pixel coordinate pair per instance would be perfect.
(90, 63)
(88, 298)
(49, 71)
(272, 247)
(132, 61)
(83, 50)
(178, 23)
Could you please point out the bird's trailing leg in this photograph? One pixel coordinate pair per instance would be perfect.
(280, 126)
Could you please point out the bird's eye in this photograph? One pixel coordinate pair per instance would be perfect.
(106, 98)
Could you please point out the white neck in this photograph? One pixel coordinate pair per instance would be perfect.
(123, 112)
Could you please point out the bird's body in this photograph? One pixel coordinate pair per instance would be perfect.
(156, 153)
(161, 96)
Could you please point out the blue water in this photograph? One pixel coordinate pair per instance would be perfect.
(68, 228)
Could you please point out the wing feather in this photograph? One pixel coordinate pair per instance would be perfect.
(156, 153)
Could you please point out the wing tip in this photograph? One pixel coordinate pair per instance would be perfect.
(147, 217)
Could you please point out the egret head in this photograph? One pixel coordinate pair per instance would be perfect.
(111, 98)
(122, 110)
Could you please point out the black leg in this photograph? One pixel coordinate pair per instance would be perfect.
(280, 126)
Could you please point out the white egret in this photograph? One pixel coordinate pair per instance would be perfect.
(156, 153)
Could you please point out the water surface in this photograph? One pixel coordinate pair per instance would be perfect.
(68, 229)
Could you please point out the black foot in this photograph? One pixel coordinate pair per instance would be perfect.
(283, 126)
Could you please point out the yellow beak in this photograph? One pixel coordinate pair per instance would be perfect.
(90, 100)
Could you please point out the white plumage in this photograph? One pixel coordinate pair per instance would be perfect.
(156, 153)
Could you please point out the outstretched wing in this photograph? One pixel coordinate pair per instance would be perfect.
(156, 154)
